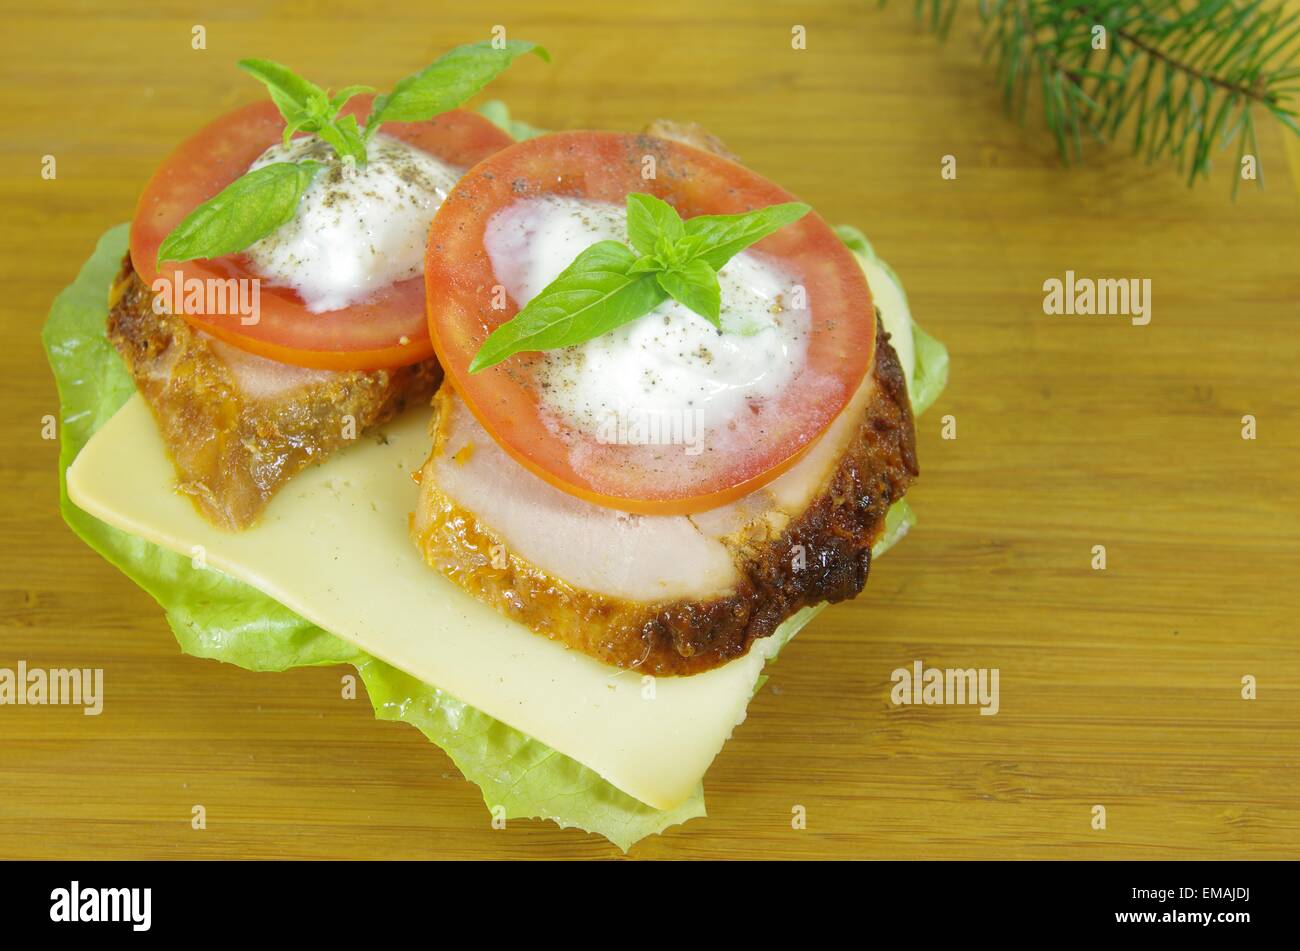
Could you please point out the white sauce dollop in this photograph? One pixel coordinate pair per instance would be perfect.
(670, 367)
(357, 230)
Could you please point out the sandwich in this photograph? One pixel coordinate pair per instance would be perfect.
(558, 438)
(271, 307)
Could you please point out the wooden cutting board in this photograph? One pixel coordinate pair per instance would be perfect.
(1119, 688)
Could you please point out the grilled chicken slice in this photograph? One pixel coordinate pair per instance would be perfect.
(666, 594)
(239, 426)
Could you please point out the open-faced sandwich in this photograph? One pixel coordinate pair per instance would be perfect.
(672, 418)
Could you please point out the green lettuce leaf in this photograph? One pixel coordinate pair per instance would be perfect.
(930, 370)
(218, 617)
(498, 114)
(517, 774)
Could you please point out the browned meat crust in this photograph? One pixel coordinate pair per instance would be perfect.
(233, 449)
(836, 530)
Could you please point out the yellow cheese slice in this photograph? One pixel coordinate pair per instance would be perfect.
(333, 547)
(888, 295)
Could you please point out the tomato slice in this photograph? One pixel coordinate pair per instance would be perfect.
(367, 335)
(606, 166)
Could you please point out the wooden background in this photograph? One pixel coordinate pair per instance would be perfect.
(1119, 687)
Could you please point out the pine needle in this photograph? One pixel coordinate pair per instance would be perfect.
(1186, 76)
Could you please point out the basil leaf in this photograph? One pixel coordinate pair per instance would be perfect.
(447, 82)
(308, 108)
(649, 219)
(340, 98)
(689, 247)
(592, 296)
(299, 100)
(344, 136)
(695, 284)
(722, 237)
(297, 125)
(246, 210)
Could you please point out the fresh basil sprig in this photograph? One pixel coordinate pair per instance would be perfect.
(254, 204)
(221, 226)
(609, 284)
(308, 108)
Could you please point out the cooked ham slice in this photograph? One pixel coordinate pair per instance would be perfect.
(239, 426)
(666, 594)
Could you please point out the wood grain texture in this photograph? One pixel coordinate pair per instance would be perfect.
(1119, 687)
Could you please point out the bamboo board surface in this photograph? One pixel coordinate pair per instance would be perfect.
(1118, 687)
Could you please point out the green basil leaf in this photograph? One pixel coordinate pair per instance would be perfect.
(447, 82)
(352, 138)
(340, 98)
(592, 296)
(722, 237)
(649, 220)
(298, 99)
(344, 136)
(297, 125)
(246, 210)
(695, 284)
(308, 108)
(689, 247)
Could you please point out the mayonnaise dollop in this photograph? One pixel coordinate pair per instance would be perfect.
(357, 229)
(670, 364)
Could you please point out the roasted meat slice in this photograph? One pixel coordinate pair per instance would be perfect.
(239, 426)
(666, 594)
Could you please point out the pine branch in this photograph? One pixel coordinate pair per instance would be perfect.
(1188, 75)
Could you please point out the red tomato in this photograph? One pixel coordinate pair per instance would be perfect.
(364, 336)
(658, 479)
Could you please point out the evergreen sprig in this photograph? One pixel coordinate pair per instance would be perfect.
(1190, 75)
